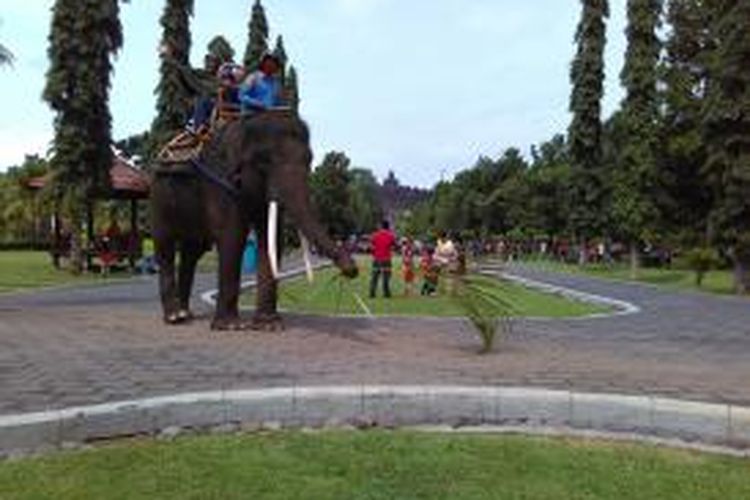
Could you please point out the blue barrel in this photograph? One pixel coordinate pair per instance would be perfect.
(250, 257)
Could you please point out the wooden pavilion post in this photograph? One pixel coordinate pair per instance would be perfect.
(134, 233)
(89, 248)
(57, 241)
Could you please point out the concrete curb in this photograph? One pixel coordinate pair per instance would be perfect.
(209, 297)
(524, 409)
(621, 307)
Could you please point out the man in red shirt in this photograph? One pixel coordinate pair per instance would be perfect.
(382, 242)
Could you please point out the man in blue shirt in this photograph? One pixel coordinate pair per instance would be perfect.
(261, 90)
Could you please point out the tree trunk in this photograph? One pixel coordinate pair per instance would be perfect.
(90, 236)
(699, 275)
(742, 275)
(635, 261)
(76, 250)
(582, 254)
(57, 243)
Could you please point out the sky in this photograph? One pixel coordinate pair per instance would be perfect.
(420, 87)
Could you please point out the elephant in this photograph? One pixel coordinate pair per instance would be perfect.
(249, 168)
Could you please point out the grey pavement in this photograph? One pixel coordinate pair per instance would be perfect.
(101, 344)
(685, 320)
(138, 291)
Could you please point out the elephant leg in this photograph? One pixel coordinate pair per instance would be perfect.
(231, 245)
(165, 256)
(266, 315)
(190, 254)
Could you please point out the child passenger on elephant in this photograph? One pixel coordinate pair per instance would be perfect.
(203, 84)
(230, 78)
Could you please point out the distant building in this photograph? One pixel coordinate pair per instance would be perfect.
(395, 198)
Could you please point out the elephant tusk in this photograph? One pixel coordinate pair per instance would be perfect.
(306, 257)
(273, 232)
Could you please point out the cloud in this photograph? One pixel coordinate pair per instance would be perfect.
(16, 144)
(358, 8)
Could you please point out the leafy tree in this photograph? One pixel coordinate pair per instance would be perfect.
(687, 196)
(21, 210)
(221, 48)
(364, 205)
(726, 123)
(584, 132)
(546, 203)
(257, 43)
(330, 186)
(84, 36)
(135, 146)
(419, 221)
(488, 198)
(291, 88)
(173, 103)
(636, 178)
(505, 191)
(451, 209)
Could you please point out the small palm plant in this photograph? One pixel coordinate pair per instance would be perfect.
(485, 306)
(701, 260)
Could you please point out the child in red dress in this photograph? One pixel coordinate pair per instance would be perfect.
(430, 272)
(407, 265)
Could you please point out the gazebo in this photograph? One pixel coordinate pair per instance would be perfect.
(129, 183)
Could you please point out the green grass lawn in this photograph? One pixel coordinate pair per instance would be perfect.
(375, 465)
(720, 282)
(331, 295)
(21, 270)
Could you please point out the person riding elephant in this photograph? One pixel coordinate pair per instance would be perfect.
(261, 90)
(201, 83)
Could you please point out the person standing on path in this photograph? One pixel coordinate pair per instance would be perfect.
(446, 257)
(383, 242)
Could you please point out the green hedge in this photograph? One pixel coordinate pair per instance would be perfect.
(25, 245)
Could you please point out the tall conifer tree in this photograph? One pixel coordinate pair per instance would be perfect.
(173, 103)
(221, 48)
(291, 88)
(280, 52)
(727, 132)
(257, 42)
(584, 133)
(687, 199)
(84, 36)
(636, 176)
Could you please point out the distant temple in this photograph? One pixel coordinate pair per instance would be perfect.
(395, 198)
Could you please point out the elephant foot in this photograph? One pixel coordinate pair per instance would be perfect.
(172, 319)
(228, 324)
(267, 323)
(185, 315)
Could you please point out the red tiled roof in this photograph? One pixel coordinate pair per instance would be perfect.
(124, 176)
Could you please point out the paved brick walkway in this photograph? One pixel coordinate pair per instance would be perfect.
(92, 345)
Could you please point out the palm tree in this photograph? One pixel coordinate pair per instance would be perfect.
(6, 56)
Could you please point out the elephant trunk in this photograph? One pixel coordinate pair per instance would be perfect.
(298, 205)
